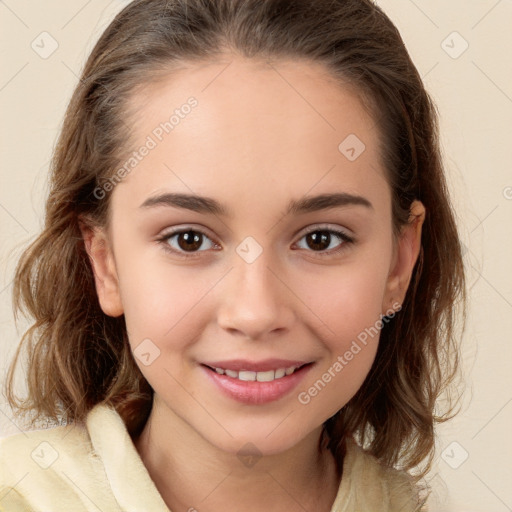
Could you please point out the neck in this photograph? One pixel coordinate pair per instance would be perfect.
(190, 473)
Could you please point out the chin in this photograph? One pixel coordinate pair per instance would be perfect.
(259, 441)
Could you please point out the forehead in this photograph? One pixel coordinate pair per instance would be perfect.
(256, 129)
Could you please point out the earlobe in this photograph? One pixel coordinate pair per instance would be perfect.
(98, 248)
(406, 254)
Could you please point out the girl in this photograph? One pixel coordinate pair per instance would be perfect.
(244, 294)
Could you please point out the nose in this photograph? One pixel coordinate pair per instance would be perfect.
(255, 300)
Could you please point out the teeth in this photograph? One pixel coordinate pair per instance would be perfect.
(267, 376)
(281, 372)
(245, 375)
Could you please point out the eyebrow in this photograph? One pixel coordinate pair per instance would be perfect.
(208, 205)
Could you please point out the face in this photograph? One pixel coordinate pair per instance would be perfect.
(261, 277)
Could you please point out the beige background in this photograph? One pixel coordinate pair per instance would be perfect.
(473, 91)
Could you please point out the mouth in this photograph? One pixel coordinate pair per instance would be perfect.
(258, 376)
(256, 383)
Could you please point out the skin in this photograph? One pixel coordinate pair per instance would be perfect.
(260, 136)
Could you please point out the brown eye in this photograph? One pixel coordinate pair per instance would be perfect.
(186, 241)
(324, 240)
(189, 240)
(319, 240)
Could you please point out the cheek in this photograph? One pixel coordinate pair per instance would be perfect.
(157, 295)
(347, 305)
(159, 300)
(346, 300)
(163, 310)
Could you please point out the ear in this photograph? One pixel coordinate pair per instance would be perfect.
(405, 256)
(100, 254)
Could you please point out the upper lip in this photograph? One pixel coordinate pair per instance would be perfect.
(255, 366)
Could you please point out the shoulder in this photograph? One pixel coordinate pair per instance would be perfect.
(371, 486)
(42, 448)
(36, 464)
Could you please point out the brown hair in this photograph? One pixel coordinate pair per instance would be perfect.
(78, 356)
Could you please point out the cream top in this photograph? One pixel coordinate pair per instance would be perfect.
(96, 467)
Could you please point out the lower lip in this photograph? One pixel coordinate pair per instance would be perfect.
(254, 392)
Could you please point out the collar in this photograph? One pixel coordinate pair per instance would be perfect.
(129, 479)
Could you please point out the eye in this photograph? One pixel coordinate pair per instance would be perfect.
(185, 241)
(320, 239)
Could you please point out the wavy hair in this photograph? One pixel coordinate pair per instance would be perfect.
(78, 357)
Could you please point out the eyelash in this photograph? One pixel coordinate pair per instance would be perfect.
(346, 240)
